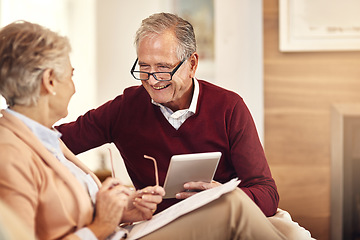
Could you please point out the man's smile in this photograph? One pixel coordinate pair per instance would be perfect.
(160, 87)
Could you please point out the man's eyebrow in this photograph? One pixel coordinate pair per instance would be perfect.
(142, 63)
(157, 64)
(165, 64)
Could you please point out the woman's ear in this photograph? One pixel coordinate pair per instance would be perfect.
(48, 82)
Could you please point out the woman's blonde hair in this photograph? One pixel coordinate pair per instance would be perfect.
(26, 51)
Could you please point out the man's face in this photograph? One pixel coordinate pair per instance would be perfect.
(157, 53)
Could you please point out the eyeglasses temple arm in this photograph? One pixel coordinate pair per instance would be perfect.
(112, 164)
(156, 169)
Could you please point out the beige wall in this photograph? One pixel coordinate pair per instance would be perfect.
(300, 89)
(74, 19)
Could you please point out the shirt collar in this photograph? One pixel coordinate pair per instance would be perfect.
(50, 138)
(194, 99)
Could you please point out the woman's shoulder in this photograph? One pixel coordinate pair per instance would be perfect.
(12, 147)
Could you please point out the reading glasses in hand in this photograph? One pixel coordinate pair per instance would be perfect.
(160, 76)
(145, 156)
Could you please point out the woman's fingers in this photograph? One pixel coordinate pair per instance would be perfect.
(111, 200)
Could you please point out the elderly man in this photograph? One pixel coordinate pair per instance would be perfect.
(172, 113)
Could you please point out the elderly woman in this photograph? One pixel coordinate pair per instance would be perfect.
(51, 190)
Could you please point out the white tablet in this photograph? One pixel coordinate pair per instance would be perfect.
(189, 168)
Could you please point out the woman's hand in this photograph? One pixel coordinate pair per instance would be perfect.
(143, 204)
(192, 188)
(111, 201)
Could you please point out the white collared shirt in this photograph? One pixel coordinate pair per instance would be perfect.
(176, 119)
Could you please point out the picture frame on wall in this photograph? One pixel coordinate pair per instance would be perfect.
(200, 14)
(319, 25)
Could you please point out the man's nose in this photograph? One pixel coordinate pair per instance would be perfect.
(152, 80)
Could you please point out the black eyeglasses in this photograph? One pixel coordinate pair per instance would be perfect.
(160, 76)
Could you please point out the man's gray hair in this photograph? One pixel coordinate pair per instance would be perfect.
(161, 22)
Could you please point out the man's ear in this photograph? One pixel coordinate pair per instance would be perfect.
(194, 60)
(48, 81)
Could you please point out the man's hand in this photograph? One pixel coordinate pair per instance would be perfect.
(192, 188)
(143, 204)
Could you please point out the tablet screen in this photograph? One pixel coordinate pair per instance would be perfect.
(189, 168)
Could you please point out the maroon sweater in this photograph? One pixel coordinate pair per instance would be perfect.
(222, 123)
